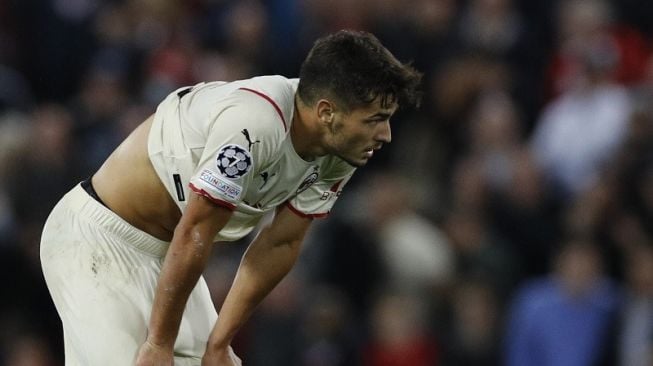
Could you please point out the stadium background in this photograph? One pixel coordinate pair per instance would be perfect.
(509, 222)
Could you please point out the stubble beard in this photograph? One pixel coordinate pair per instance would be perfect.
(336, 147)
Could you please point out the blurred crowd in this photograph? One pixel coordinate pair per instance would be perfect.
(510, 222)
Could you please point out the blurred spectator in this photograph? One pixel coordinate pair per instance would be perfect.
(285, 19)
(341, 253)
(635, 335)
(15, 93)
(564, 318)
(525, 216)
(455, 88)
(95, 112)
(14, 139)
(329, 335)
(274, 332)
(170, 67)
(399, 334)
(588, 214)
(479, 252)
(31, 329)
(599, 212)
(579, 132)
(416, 155)
(630, 172)
(469, 188)
(130, 118)
(29, 350)
(54, 43)
(508, 183)
(588, 33)
(475, 325)
(248, 41)
(423, 32)
(416, 254)
(221, 269)
(324, 16)
(642, 194)
(494, 138)
(497, 31)
(50, 160)
(460, 81)
(212, 65)
(491, 26)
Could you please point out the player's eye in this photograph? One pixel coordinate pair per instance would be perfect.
(376, 120)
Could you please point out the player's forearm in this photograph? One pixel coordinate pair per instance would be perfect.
(181, 270)
(261, 269)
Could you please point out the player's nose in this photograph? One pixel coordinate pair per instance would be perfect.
(383, 133)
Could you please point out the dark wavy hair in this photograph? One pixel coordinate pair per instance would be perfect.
(354, 69)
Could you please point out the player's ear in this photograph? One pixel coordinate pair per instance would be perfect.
(325, 109)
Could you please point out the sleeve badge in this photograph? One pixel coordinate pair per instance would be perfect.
(233, 161)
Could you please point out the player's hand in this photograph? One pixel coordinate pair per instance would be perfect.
(152, 355)
(221, 357)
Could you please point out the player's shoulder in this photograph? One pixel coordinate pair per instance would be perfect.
(263, 104)
(273, 91)
(276, 85)
(256, 113)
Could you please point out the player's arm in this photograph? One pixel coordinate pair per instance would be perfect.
(267, 260)
(186, 258)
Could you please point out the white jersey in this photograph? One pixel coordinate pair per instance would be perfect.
(230, 142)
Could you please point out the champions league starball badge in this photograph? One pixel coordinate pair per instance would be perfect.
(233, 161)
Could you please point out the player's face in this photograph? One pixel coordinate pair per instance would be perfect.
(354, 136)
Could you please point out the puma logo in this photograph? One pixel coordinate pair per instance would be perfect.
(265, 177)
(249, 139)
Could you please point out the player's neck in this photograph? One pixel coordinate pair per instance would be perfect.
(305, 133)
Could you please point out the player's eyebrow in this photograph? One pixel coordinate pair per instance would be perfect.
(380, 115)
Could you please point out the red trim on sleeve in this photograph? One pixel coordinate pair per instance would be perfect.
(208, 196)
(334, 188)
(283, 120)
(305, 215)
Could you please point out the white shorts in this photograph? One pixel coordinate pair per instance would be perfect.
(102, 274)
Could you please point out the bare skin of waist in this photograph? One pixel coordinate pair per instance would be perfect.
(128, 184)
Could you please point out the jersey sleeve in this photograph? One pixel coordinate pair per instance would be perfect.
(243, 136)
(318, 199)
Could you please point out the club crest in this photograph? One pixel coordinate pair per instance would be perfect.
(308, 181)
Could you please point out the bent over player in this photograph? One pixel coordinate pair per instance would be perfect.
(123, 252)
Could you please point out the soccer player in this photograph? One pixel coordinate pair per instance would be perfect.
(123, 252)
